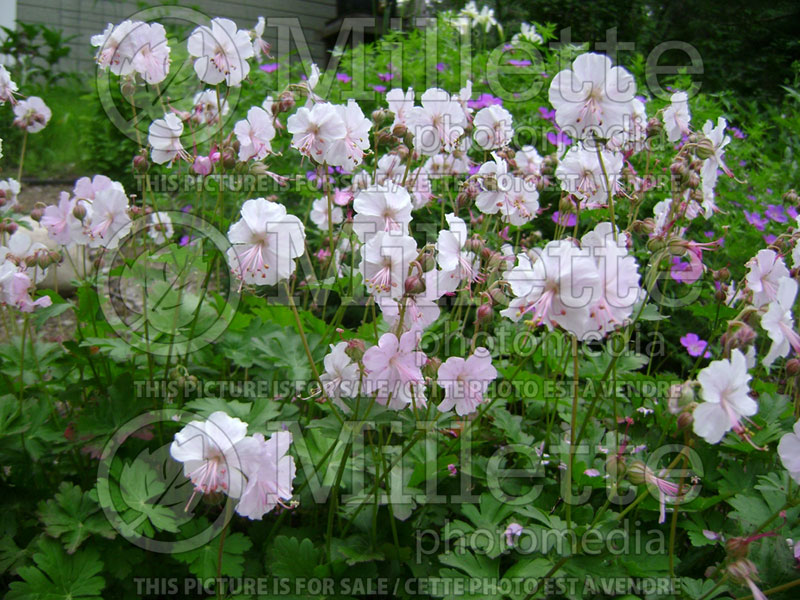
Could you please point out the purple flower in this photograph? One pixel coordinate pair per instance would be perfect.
(549, 115)
(473, 169)
(742, 163)
(792, 212)
(592, 473)
(519, 63)
(775, 213)
(769, 190)
(568, 221)
(709, 234)
(344, 77)
(769, 239)
(184, 241)
(440, 67)
(385, 76)
(694, 345)
(483, 101)
(269, 67)
(560, 139)
(379, 88)
(738, 133)
(755, 219)
(187, 208)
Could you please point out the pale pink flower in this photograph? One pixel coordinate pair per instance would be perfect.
(86, 189)
(766, 270)
(9, 190)
(381, 208)
(789, 451)
(778, 322)
(465, 381)
(420, 310)
(255, 134)
(265, 243)
(150, 57)
(221, 52)
(516, 199)
(61, 224)
(18, 286)
(164, 137)
(529, 162)
(592, 97)
(24, 248)
(394, 371)
(32, 114)
(269, 470)
(492, 127)
(725, 391)
(214, 454)
(314, 130)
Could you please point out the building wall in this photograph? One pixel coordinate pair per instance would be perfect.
(84, 18)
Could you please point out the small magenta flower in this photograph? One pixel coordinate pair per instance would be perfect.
(453, 470)
(775, 213)
(756, 220)
(269, 67)
(512, 532)
(440, 67)
(694, 345)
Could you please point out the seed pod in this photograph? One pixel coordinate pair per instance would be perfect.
(704, 149)
(414, 285)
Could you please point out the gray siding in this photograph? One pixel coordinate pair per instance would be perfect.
(84, 18)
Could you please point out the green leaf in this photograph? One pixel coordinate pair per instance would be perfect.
(58, 575)
(291, 558)
(73, 516)
(203, 561)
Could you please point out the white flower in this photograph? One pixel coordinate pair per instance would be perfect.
(492, 127)
(9, 190)
(437, 124)
(347, 151)
(255, 134)
(314, 130)
(557, 289)
(385, 260)
(259, 45)
(160, 227)
(456, 263)
(619, 277)
(205, 108)
(114, 48)
(266, 240)
(32, 114)
(709, 170)
(381, 208)
(422, 309)
(400, 104)
(164, 137)
(319, 213)
(527, 33)
(221, 52)
(341, 377)
(778, 322)
(725, 391)
(530, 162)
(766, 270)
(789, 451)
(214, 453)
(109, 221)
(150, 51)
(22, 246)
(269, 470)
(581, 174)
(677, 117)
(592, 97)
(486, 19)
(516, 199)
(465, 381)
(7, 87)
